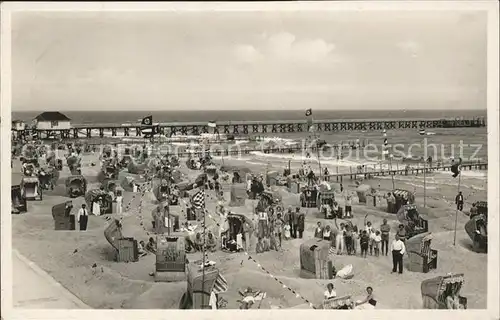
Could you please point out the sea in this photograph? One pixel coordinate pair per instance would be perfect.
(470, 144)
(119, 117)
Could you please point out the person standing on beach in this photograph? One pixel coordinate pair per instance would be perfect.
(119, 201)
(293, 224)
(300, 223)
(459, 201)
(398, 249)
(83, 217)
(390, 202)
(348, 207)
(72, 220)
(385, 229)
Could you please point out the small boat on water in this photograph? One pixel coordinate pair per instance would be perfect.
(422, 132)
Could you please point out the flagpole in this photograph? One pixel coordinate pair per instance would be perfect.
(392, 174)
(222, 153)
(204, 246)
(456, 212)
(390, 158)
(317, 149)
(425, 187)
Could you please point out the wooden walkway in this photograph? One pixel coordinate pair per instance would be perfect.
(369, 172)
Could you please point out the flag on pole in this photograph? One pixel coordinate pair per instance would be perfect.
(147, 121)
(212, 124)
(309, 112)
(456, 168)
(147, 127)
(198, 199)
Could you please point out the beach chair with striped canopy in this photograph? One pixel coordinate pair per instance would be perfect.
(200, 285)
(434, 291)
(422, 257)
(401, 195)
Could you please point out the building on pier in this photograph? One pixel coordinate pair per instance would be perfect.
(18, 125)
(52, 121)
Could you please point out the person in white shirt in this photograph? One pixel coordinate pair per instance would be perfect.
(263, 219)
(83, 217)
(330, 293)
(96, 208)
(398, 250)
(377, 239)
(119, 202)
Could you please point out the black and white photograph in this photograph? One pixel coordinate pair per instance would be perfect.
(250, 156)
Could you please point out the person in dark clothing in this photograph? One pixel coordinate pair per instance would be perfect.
(72, 222)
(300, 225)
(326, 173)
(459, 201)
(348, 240)
(363, 243)
(83, 218)
(293, 224)
(311, 177)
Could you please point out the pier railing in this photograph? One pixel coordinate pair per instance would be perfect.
(250, 128)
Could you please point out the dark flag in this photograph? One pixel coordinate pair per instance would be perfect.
(147, 128)
(455, 168)
(147, 121)
(309, 112)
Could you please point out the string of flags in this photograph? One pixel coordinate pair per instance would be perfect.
(201, 192)
(283, 285)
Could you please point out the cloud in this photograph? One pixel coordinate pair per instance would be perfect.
(247, 53)
(409, 47)
(285, 47)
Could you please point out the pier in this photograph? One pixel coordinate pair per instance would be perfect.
(248, 128)
(369, 172)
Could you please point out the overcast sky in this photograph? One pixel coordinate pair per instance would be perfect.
(270, 60)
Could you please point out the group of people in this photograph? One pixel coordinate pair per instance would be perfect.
(348, 239)
(277, 225)
(331, 209)
(368, 302)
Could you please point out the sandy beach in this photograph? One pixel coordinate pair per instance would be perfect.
(68, 255)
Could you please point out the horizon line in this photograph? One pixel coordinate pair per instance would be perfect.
(248, 110)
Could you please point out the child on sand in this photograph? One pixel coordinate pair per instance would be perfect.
(371, 243)
(376, 243)
(348, 239)
(286, 229)
(364, 239)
